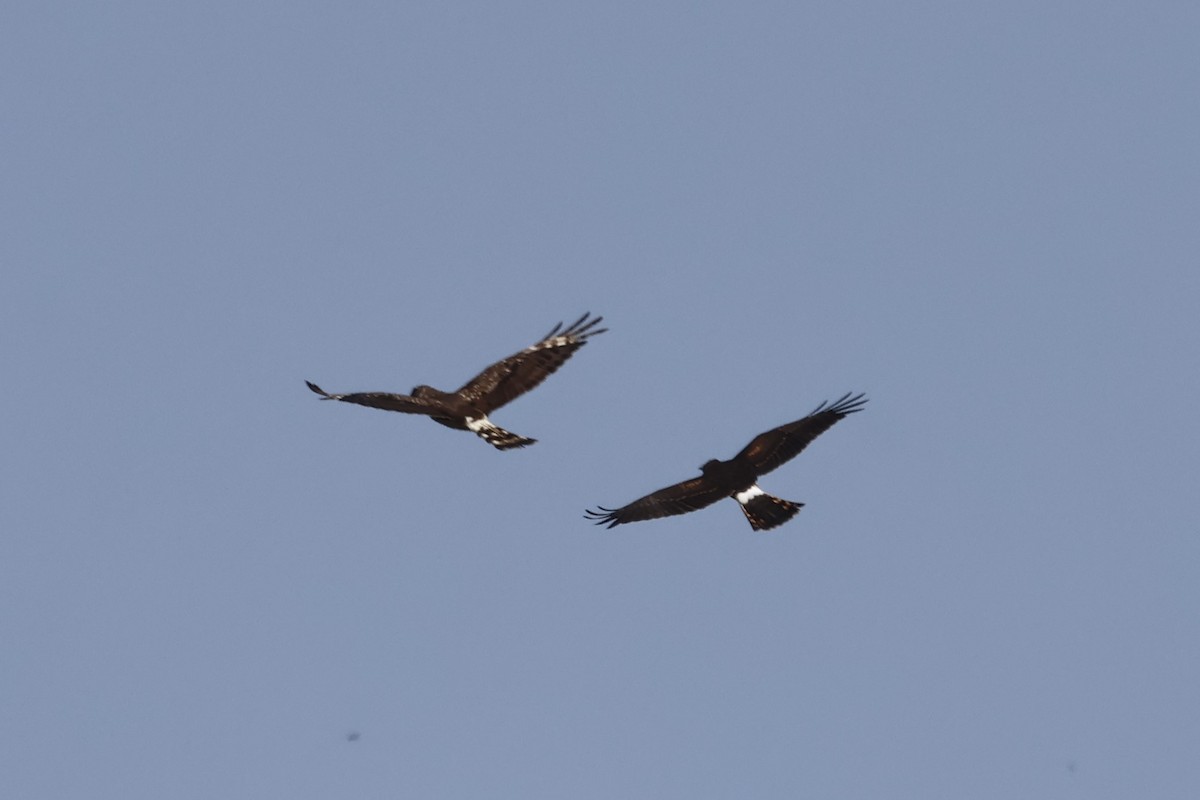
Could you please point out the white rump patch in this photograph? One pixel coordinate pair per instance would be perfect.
(477, 425)
(748, 495)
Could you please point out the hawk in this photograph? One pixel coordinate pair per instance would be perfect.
(738, 477)
(501, 383)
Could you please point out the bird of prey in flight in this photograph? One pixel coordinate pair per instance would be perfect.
(738, 477)
(467, 408)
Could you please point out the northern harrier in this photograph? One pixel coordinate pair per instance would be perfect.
(738, 477)
(501, 383)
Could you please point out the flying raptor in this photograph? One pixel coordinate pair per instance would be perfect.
(501, 383)
(738, 477)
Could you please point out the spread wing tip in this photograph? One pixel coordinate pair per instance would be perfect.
(581, 328)
(602, 515)
(849, 403)
(324, 394)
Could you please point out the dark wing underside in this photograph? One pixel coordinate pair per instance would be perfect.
(512, 377)
(384, 400)
(691, 495)
(780, 445)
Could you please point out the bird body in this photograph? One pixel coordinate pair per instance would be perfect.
(468, 407)
(738, 477)
(763, 511)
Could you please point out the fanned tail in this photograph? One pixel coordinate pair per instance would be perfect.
(766, 511)
(496, 436)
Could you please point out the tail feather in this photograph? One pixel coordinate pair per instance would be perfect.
(502, 439)
(765, 511)
(496, 436)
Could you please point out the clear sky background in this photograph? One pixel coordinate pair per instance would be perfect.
(984, 215)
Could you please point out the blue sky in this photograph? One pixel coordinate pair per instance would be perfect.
(982, 215)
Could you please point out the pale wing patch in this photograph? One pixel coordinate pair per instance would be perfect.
(480, 424)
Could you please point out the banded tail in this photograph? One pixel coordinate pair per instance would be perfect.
(765, 511)
(496, 436)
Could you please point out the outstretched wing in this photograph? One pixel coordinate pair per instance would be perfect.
(681, 498)
(384, 400)
(775, 447)
(512, 377)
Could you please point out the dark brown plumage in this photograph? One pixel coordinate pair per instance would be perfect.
(738, 477)
(499, 384)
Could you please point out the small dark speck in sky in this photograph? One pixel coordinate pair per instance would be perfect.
(352, 736)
